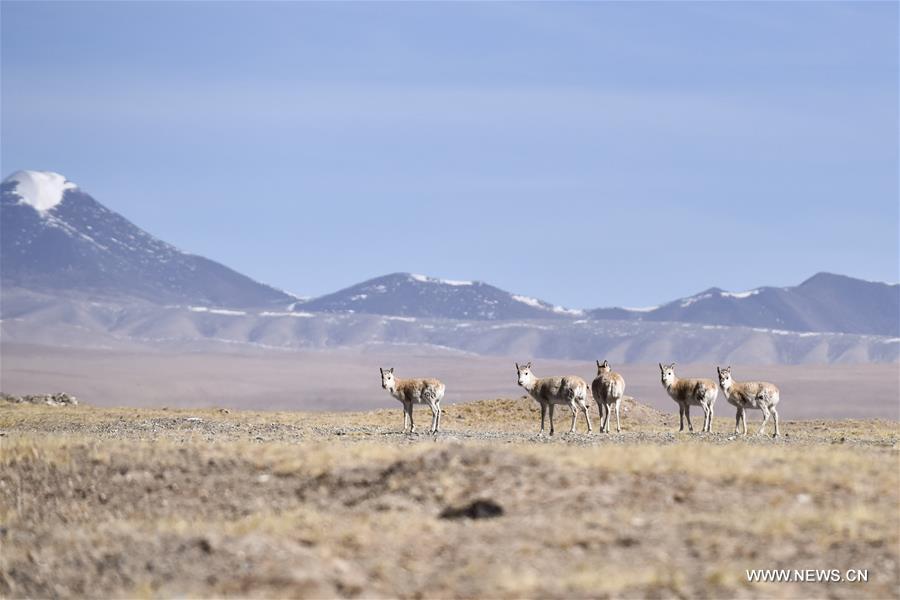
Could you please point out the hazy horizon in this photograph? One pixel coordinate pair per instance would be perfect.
(590, 155)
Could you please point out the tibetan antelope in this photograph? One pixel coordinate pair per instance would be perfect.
(750, 394)
(608, 389)
(550, 391)
(688, 392)
(415, 391)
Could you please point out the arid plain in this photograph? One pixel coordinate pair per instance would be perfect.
(349, 379)
(149, 502)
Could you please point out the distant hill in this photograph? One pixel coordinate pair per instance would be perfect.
(823, 303)
(411, 295)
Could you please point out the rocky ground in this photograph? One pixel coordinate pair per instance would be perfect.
(154, 502)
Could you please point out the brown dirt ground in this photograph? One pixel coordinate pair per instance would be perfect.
(339, 380)
(159, 503)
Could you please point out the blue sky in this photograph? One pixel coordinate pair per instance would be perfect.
(589, 154)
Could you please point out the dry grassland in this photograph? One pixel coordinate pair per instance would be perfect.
(158, 503)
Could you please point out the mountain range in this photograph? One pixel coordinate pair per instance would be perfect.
(74, 271)
(824, 302)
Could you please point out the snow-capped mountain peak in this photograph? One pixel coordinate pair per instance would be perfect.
(421, 296)
(42, 190)
(54, 236)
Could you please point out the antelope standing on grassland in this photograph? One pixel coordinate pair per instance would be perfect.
(688, 392)
(550, 391)
(415, 391)
(608, 389)
(750, 394)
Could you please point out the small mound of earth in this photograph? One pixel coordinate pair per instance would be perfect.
(642, 414)
(61, 399)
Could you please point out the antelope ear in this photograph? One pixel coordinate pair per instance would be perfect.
(528, 366)
(391, 370)
(605, 363)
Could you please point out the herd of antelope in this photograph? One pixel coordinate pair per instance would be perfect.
(608, 389)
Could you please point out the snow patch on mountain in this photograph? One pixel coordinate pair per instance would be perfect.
(217, 311)
(801, 334)
(42, 190)
(746, 294)
(688, 301)
(521, 324)
(562, 310)
(640, 308)
(427, 279)
(534, 302)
